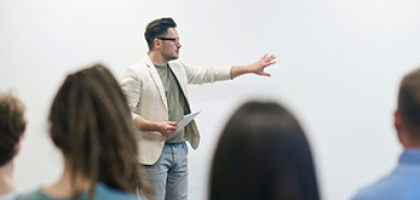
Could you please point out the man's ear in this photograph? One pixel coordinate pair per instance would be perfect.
(157, 43)
(397, 121)
(398, 124)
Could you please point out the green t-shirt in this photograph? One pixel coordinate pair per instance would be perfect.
(175, 100)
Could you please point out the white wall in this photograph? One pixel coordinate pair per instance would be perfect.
(339, 66)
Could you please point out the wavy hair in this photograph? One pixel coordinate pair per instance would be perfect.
(12, 126)
(91, 124)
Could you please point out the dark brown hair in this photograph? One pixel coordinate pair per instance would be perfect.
(263, 154)
(91, 124)
(409, 101)
(12, 126)
(156, 28)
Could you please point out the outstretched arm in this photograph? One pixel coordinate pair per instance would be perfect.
(256, 68)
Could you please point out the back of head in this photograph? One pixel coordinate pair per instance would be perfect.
(409, 102)
(156, 28)
(12, 126)
(91, 124)
(262, 154)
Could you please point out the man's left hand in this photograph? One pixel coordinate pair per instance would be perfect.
(260, 65)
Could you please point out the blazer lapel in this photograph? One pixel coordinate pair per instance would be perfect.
(178, 73)
(182, 84)
(156, 78)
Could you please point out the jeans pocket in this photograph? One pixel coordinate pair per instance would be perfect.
(185, 147)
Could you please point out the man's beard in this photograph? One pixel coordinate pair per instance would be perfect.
(169, 58)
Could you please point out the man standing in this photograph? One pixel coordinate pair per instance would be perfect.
(404, 182)
(157, 94)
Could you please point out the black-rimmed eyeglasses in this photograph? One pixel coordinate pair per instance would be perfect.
(176, 40)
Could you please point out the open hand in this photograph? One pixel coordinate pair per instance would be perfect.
(260, 65)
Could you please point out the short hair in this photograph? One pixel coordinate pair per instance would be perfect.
(12, 126)
(262, 154)
(91, 124)
(156, 28)
(409, 101)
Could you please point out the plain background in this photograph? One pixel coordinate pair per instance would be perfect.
(339, 66)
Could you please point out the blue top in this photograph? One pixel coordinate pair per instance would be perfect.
(102, 192)
(402, 184)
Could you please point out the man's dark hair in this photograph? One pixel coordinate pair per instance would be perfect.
(262, 154)
(12, 126)
(156, 28)
(409, 101)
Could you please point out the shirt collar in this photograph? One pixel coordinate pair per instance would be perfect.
(410, 156)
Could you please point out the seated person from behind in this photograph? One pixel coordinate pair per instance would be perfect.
(404, 182)
(12, 126)
(91, 125)
(263, 154)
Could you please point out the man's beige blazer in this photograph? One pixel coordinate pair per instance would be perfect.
(146, 97)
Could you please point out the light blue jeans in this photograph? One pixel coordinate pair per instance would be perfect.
(169, 175)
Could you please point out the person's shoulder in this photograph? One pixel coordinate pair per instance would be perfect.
(11, 195)
(138, 70)
(367, 193)
(177, 63)
(180, 66)
(389, 187)
(104, 192)
(35, 195)
(140, 64)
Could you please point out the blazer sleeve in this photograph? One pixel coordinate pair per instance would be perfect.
(131, 86)
(202, 75)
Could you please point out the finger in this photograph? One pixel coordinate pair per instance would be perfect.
(265, 74)
(171, 123)
(271, 58)
(265, 56)
(168, 134)
(270, 63)
(172, 128)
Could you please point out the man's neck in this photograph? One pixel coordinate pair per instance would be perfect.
(7, 184)
(409, 140)
(412, 146)
(157, 59)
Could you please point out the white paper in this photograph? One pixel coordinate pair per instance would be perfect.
(186, 120)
